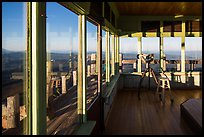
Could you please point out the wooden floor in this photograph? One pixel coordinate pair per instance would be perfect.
(148, 116)
(64, 109)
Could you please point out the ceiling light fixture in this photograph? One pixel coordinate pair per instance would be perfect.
(178, 16)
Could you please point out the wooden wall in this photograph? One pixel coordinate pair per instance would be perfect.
(178, 80)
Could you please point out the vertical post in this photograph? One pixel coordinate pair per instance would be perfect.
(96, 63)
(99, 66)
(70, 62)
(183, 47)
(134, 66)
(38, 68)
(194, 62)
(164, 65)
(89, 70)
(64, 86)
(121, 62)
(13, 111)
(27, 123)
(116, 55)
(39, 124)
(4, 116)
(161, 46)
(57, 83)
(107, 56)
(113, 56)
(191, 65)
(48, 86)
(118, 41)
(82, 83)
(70, 65)
(52, 85)
(178, 66)
(93, 64)
(139, 64)
(74, 78)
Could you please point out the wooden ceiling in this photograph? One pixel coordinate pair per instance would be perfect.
(159, 8)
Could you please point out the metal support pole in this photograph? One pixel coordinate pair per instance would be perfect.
(82, 83)
(113, 56)
(107, 56)
(161, 46)
(139, 64)
(183, 47)
(121, 62)
(118, 51)
(39, 124)
(149, 71)
(116, 55)
(27, 125)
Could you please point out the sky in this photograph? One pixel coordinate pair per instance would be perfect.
(62, 32)
(13, 26)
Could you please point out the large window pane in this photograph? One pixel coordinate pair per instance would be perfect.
(193, 53)
(128, 47)
(103, 56)
(62, 57)
(92, 72)
(172, 51)
(151, 46)
(111, 53)
(14, 110)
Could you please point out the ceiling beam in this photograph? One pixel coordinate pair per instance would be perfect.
(77, 7)
(133, 23)
(114, 8)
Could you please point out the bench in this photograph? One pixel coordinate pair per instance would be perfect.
(191, 111)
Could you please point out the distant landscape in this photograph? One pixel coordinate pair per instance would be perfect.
(15, 61)
(170, 55)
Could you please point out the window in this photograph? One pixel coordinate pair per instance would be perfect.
(151, 46)
(128, 47)
(111, 54)
(193, 53)
(14, 53)
(62, 58)
(172, 51)
(103, 56)
(92, 72)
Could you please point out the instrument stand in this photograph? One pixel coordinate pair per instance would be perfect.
(150, 70)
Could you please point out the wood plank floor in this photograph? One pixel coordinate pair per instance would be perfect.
(148, 116)
(64, 109)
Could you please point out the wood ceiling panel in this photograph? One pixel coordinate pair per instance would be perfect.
(160, 8)
(193, 26)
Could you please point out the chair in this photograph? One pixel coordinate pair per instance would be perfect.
(163, 82)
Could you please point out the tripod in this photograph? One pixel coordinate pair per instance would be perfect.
(150, 70)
